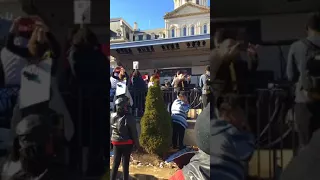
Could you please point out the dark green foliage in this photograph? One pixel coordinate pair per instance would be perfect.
(156, 129)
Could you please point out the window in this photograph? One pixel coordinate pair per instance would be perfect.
(140, 37)
(173, 32)
(205, 31)
(163, 35)
(192, 30)
(156, 37)
(198, 2)
(148, 36)
(184, 31)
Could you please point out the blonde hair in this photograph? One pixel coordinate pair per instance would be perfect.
(152, 78)
(37, 39)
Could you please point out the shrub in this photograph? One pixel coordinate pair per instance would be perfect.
(156, 129)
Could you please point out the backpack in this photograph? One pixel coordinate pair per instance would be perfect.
(206, 86)
(310, 71)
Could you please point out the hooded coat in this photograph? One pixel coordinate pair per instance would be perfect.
(231, 151)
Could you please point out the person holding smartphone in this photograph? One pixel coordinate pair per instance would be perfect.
(40, 43)
(40, 40)
(41, 46)
(228, 66)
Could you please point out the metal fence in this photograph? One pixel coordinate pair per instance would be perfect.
(169, 95)
(270, 115)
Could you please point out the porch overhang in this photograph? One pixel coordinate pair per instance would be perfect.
(180, 51)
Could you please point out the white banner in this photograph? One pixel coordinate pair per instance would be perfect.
(35, 83)
(135, 64)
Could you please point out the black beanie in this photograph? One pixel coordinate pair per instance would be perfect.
(202, 129)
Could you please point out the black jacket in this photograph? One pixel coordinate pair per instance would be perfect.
(198, 168)
(89, 68)
(124, 129)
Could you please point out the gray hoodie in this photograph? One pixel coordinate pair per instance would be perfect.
(297, 53)
(231, 151)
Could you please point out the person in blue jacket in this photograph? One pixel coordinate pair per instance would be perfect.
(232, 144)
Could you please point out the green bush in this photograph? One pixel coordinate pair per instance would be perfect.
(156, 130)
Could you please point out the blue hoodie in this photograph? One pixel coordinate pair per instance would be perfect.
(231, 151)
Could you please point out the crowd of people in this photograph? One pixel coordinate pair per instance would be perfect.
(30, 59)
(124, 136)
(223, 132)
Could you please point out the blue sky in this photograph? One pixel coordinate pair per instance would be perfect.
(142, 12)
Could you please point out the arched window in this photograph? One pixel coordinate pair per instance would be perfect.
(184, 31)
(205, 30)
(173, 32)
(163, 35)
(198, 2)
(192, 31)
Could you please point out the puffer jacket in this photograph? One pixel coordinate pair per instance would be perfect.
(123, 129)
(198, 168)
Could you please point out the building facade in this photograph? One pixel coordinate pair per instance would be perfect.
(188, 23)
(189, 18)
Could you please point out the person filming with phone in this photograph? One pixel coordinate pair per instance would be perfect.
(228, 66)
(41, 52)
(41, 45)
(40, 40)
(180, 81)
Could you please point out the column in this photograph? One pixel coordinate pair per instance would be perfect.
(123, 32)
(178, 32)
(199, 28)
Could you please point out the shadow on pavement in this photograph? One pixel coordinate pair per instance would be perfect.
(135, 177)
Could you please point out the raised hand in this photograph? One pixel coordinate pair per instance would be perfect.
(252, 49)
(227, 53)
(42, 25)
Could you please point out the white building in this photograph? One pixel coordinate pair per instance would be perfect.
(183, 42)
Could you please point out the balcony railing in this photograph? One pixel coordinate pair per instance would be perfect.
(117, 38)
